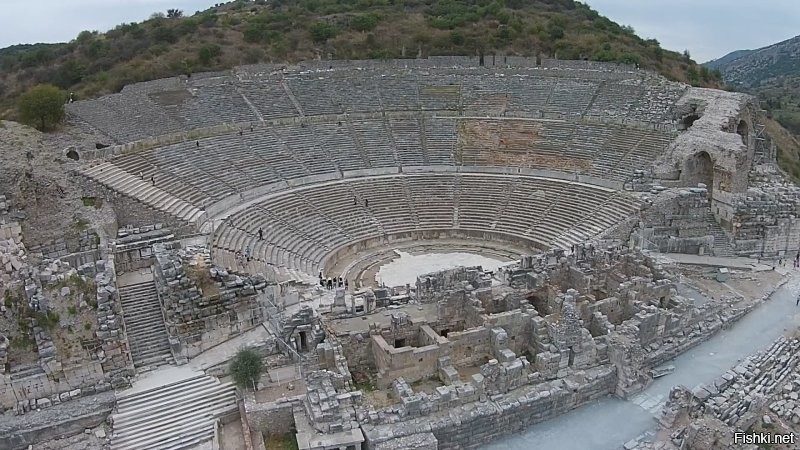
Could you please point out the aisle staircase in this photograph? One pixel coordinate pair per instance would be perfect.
(175, 416)
(116, 179)
(722, 246)
(144, 323)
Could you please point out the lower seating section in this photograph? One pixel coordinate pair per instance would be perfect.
(301, 227)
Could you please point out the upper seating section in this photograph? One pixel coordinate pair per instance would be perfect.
(452, 86)
(209, 169)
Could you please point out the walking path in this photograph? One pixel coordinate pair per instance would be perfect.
(608, 423)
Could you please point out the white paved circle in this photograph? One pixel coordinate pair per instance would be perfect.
(407, 267)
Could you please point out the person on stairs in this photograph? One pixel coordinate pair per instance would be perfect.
(260, 234)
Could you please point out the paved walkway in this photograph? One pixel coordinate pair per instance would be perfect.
(225, 351)
(608, 423)
(715, 261)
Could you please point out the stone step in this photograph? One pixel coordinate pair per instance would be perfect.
(159, 415)
(128, 400)
(144, 323)
(190, 437)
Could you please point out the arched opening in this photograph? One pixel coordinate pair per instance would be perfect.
(73, 155)
(699, 168)
(743, 130)
(687, 121)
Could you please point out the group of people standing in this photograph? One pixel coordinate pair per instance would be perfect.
(331, 283)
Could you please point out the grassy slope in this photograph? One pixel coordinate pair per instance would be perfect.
(788, 148)
(294, 30)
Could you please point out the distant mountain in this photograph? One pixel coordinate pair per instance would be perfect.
(727, 59)
(765, 67)
(286, 31)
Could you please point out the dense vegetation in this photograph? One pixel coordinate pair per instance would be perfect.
(245, 32)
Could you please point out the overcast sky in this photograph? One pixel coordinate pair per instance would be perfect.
(707, 28)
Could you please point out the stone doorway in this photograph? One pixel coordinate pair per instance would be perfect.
(699, 168)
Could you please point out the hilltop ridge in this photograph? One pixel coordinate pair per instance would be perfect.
(246, 32)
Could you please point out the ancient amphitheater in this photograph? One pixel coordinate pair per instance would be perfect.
(610, 198)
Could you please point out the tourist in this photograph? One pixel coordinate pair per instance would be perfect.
(197, 143)
(345, 285)
(247, 253)
(330, 283)
(366, 203)
(341, 283)
(141, 175)
(260, 234)
(355, 201)
(153, 179)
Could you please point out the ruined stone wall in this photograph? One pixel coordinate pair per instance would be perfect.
(270, 416)
(765, 221)
(470, 347)
(199, 317)
(679, 221)
(517, 324)
(471, 425)
(66, 419)
(357, 348)
(51, 381)
(435, 286)
(412, 363)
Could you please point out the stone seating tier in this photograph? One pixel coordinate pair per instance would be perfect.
(303, 226)
(221, 166)
(228, 97)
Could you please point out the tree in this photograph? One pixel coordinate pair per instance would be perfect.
(321, 32)
(246, 368)
(174, 13)
(42, 106)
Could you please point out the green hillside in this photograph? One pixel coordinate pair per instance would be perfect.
(246, 32)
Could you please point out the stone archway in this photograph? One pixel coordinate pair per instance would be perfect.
(699, 168)
(743, 130)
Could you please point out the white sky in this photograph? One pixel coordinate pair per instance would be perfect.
(707, 28)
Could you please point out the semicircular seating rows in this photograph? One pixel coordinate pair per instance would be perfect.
(267, 128)
(203, 171)
(517, 88)
(303, 226)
